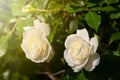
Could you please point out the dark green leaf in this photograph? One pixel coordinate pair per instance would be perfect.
(73, 25)
(111, 1)
(114, 16)
(81, 76)
(93, 20)
(4, 43)
(79, 9)
(115, 36)
(117, 52)
(107, 8)
(90, 4)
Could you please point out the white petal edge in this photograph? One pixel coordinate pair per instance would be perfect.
(43, 27)
(94, 43)
(79, 67)
(69, 58)
(83, 33)
(27, 28)
(92, 62)
(71, 38)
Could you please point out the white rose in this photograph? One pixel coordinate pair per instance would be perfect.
(81, 52)
(35, 44)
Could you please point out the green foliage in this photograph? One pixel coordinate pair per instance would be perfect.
(4, 43)
(111, 1)
(115, 36)
(115, 15)
(64, 17)
(22, 23)
(73, 25)
(16, 7)
(81, 76)
(93, 20)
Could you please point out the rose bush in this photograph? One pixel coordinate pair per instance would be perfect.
(35, 44)
(81, 52)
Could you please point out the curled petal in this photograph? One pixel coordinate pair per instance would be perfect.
(94, 43)
(43, 27)
(92, 62)
(70, 39)
(69, 59)
(83, 33)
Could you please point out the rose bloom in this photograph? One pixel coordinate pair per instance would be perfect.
(35, 44)
(81, 51)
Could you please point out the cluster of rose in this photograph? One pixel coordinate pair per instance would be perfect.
(80, 50)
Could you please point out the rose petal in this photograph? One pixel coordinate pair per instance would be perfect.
(31, 31)
(77, 68)
(69, 58)
(32, 54)
(71, 38)
(27, 28)
(43, 27)
(83, 33)
(92, 62)
(94, 43)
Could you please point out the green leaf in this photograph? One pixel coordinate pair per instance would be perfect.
(80, 9)
(107, 8)
(115, 16)
(117, 52)
(115, 36)
(51, 36)
(90, 4)
(4, 15)
(111, 1)
(73, 25)
(43, 4)
(93, 20)
(16, 7)
(4, 43)
(23, 23)
(81, 76)
(69, 8)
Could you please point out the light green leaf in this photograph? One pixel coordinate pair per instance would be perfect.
(115, 36)
(115, 16)
(111, 1)
(23, 23)
(43, 4)
(16, 7)
(4, 43)
(51, 36)
(93, 20)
